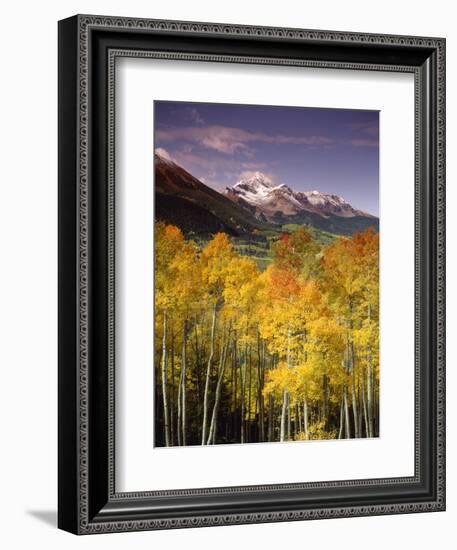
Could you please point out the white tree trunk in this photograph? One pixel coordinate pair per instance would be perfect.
(172, 389)
(179, 416)
(353, 392)
(298, 417)
(369, 382)
(369, 401)
(305, 416)
(346, 415)
(208, 373)
(212, 429)
(243, 397)
(354, 409)
(183, 382)
(288, 417)
(282, 433)
(166, 426)
(364, 405)
(340, 432)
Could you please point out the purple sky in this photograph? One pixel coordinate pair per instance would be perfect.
(331, 150)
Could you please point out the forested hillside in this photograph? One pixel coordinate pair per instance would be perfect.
(288, 353)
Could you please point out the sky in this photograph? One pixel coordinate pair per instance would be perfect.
(330, 150)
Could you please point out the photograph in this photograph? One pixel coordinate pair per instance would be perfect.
(266, 274)
(251, 272)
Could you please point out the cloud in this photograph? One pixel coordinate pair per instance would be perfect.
(229, 165)
(255, 165)
(364, 142)
(367, 134)
(247, 174)
(185, 158)
(196, 117)
(231, 141)
(163, 153)
(207, 164)
(368, 128)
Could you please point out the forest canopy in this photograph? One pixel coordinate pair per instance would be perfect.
(284, 354)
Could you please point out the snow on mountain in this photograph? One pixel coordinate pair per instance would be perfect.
(254, 189)
(332, 204)
(269, 198)
(163, 156)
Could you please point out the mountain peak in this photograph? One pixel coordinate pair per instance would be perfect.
(163, 156)
(255, 180)
(260, 191)
(245, 208)
(332, 204)
(253, 187)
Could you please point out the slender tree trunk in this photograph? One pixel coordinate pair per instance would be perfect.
(346, 414)
(354, 409)
(285, 399)
(166, 426)
(353, 392)
(305, 416)
(375, 409)
(369, 383)
(340, 429)
(179, 415)
(325, 407)
(282, 432)
(340, 432)
(360, 406)
(183, 381)
(213, 425)
(364, 405)
(231, 403)
(298, 415)
(260, 371)
(198, 372)
(270, 418)
(369, 401)
(242, 391)
(248, 430)
(172, 391)
(208, 373)
(288, 417)
(235, 391)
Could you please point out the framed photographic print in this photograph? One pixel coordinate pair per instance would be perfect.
(251, 274)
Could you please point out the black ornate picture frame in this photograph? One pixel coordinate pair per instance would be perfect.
(88, 47)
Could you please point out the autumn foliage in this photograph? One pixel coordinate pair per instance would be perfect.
(290, 353)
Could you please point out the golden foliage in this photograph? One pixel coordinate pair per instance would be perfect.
(306, 329)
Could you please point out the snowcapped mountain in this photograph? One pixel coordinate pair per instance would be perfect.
(253, 205)
(327, 203)
(269, 200)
